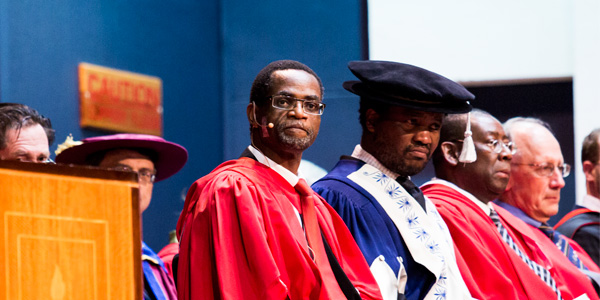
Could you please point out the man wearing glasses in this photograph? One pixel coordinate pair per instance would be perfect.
(252, 228)
(153, 159)
(25, 135)
(533, 194)
(493, 266)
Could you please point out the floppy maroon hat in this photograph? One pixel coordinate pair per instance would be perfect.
(170, 157)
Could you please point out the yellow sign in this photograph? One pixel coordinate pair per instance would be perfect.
(120, 101)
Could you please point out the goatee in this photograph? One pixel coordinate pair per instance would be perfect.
(296, 143)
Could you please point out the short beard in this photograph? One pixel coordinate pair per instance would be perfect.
(299, 144)
(396, 162)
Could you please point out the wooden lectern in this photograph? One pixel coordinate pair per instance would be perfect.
(69, 233)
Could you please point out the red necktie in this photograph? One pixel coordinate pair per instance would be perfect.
(315, 241)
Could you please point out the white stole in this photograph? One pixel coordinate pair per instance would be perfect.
(425, 234)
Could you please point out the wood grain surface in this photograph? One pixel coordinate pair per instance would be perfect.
(65, 235)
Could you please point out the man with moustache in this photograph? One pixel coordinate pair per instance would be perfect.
(532, 196)
(463, 194)
(399, 231)
(252, 229)
(583, 223)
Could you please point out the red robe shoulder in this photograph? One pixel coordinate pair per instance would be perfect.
(240, 238)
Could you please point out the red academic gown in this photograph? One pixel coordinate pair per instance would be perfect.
(241, 239)
(490, 268)
(569, 279)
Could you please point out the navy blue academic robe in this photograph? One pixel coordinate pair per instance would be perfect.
(356, 191)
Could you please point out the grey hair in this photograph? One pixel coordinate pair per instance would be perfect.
(512, 123)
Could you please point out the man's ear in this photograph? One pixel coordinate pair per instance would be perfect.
(371, 117)
(450, 151)
(588, 168)
(251, 114)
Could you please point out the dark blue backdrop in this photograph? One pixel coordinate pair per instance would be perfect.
(207, 54)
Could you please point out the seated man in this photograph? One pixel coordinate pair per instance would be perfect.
(533, 194)
(399, 231)
(153, 159)
(252, 229)
(463, 194)
(25, 135)
(583, 223)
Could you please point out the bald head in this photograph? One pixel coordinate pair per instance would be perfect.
(536, 177)
(487, 177)
(532, 137)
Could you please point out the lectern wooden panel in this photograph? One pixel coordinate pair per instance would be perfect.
(68, 233)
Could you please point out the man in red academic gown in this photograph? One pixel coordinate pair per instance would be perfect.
(533, 193)
(463, 193)
(252, 229)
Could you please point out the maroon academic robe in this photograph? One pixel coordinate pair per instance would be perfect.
(167, 254)
(490, 268)
(241, 239)
(569, 279)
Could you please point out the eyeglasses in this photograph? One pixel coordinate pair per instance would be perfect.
(144, 175)
(310, 107)
(497, 145)
(547, 169)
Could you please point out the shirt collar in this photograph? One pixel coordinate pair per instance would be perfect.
(591, 202)
(365, 156)
(285, 173)
(485, 207)
(519, 214)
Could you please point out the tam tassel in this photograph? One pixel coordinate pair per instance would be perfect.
(468, 153)
(68, 143)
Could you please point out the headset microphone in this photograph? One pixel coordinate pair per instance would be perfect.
(270, 125)
(265, 133)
